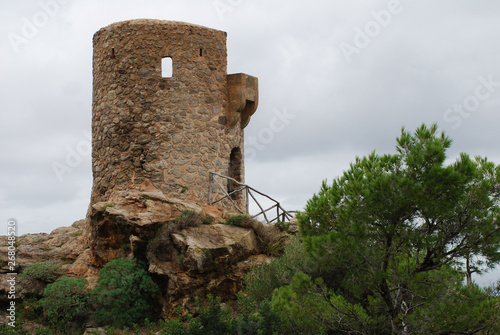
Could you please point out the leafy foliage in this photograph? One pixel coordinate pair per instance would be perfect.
(309, 307)
(262, 280)
(470, 308)
(33, 309)
(389, 236)
(214, 319)
(494, 290)
(124, 293)
(65, 303)
(47, 272)
(238, 220)
(256, 318)
(190, 218)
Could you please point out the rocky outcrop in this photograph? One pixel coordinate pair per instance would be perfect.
(188, 251)
(65, 246)
(208, 259)
(125, 224)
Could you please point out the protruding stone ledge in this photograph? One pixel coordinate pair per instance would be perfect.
(243, 92)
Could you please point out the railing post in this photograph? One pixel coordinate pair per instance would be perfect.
(247, 201)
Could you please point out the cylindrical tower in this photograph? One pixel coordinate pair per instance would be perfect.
(164, 110)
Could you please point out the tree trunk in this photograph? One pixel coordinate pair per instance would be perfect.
(468, 271)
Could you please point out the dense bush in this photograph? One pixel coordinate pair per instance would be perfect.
(65, 303)
(124, 293)
(214, 319)
(256, 318)
(47, 272)
(262, 280)
(33, 308)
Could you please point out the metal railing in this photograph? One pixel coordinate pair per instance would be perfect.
(250, 193)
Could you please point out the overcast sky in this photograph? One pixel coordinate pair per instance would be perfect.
(337, 79)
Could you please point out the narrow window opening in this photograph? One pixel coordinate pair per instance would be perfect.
(235, 162)
(167, 67)
(113, 53)
(201, 52)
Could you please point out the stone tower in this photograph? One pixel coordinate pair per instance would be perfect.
(165, 113)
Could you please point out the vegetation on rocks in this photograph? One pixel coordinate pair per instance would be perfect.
(46, 272)
(389, 247)
(65, 304)
(124, 293)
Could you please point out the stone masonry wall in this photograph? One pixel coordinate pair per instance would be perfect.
(151, 132)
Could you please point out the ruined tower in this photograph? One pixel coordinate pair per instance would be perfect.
(165, 113)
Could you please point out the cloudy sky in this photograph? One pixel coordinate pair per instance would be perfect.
(337, 79)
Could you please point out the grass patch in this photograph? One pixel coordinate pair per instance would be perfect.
(77, 233)
(104, 208)
(47, 272)
(240, 220)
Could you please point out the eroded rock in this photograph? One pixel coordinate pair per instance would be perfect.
(65, 246)
(201, 260)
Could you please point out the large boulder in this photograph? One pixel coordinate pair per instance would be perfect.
(64, 246)
(186, 248)
(129, 220)
(197, 261)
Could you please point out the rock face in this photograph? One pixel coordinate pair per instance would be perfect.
(187, 257)
(204, 259)
(128, 221)
(64, 246)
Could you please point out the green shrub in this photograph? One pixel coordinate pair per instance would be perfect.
(77, 233)
(214, 319)
(47, 272)
(191, 219)
(176, 326)
(256, 318)
(237, 220)
(283, 226)
(262, 280)
(65, 303)
(33, 309)
(124, 293)
(8, 330)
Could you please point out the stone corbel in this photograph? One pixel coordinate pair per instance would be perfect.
(243, 92)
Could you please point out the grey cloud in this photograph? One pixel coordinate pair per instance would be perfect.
(429, 57)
